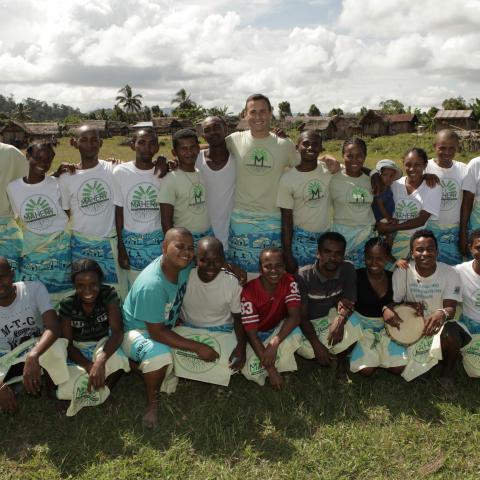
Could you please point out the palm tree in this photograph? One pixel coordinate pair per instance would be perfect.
(22, 113)
(131, 103)
(183, 100)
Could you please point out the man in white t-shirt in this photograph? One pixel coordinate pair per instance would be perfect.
(261, 158)
(29, 329)
(217, 169)
(211, 310)
(13, 165)
(470, 210)
(435, 286)
(451, 174)
(469, 273)
(87, 197)
(137, 211)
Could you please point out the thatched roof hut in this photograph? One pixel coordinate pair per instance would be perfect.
(21, 134)
(401, 123)
(169, 125)
(463, 119)
(346, 127)
(374, 124)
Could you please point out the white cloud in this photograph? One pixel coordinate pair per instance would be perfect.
(81, 52)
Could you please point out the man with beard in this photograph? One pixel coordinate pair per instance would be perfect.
(328, 290)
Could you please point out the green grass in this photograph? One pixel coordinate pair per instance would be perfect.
(380, 428)
(392, 147)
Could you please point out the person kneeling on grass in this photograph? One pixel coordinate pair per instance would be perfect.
(328, 289)
(270, 316)
(91, 321)
(29, 341)
(211, 314)
(150, 311)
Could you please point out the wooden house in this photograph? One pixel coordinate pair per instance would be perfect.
(463, 119)
(402, 123)
(14, 133)
(373, 124)
(117, 128)
(345, 127)
(169, 125)
(100, 125)
(43, 131)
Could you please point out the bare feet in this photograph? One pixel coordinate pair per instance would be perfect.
(341, 376)
(150, 418)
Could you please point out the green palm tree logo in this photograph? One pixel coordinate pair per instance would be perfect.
(449, 193)
(359, 195)
(39, 213)
(406, 210)
(94, 197)
(143, 204)
(314, 190)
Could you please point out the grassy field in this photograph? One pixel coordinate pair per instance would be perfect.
(378, 428)
(392, 147)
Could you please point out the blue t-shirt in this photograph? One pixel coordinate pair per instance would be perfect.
(388, 203)
(153, 298)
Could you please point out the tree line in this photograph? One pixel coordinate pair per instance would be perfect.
(129, 107)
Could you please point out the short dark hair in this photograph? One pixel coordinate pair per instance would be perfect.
(377, 242)
(310, 131)
(355, 141)
(473, 236)
(333, 237)
(144, 131)
(420, 152)
(183, 134)
(271, 250)
(448, 133)
(40, 144)
(423, 232)
(258, 96)
(85, 265)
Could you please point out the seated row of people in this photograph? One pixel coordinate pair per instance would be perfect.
(197, 322)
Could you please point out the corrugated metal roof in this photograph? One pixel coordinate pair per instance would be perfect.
(454, 114)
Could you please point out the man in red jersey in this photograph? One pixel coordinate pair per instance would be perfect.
(270, 316)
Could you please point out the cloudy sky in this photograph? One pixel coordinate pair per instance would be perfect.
(344, 54)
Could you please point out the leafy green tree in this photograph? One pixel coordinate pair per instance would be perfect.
(457, 103)
(284, 109)
(313, 111)
(131, 103)
(475, 106)
(362, 111)
(118, 114)
(22, 113)
(157, 111)
(392, 107)
(335, 111)
(147, 113)
(218, 111)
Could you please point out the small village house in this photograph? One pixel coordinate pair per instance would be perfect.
(21, 134)
(373, 124)
(463, 119)
(402, 123)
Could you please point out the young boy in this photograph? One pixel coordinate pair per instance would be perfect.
(451, 174)
(270, 317)
(383, 205)
(211, 314)
(150, 312)
(304, 201)
(137, 212)
(87, 197)
(35, 200)
(182, 197)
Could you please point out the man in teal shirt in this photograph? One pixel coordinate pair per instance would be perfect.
(151, 309)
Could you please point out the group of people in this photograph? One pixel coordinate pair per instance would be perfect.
(109, 267)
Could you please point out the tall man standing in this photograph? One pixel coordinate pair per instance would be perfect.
(261, 158)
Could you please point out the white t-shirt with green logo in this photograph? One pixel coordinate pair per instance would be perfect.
(408, 206)
(443, 284)
(260, 164)
(470, 282)
(88, 194)
(451, 180)
(186, 192)
(352, 200)
(308, 195)
(137, 192)
(472, 178)
(38, 205)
